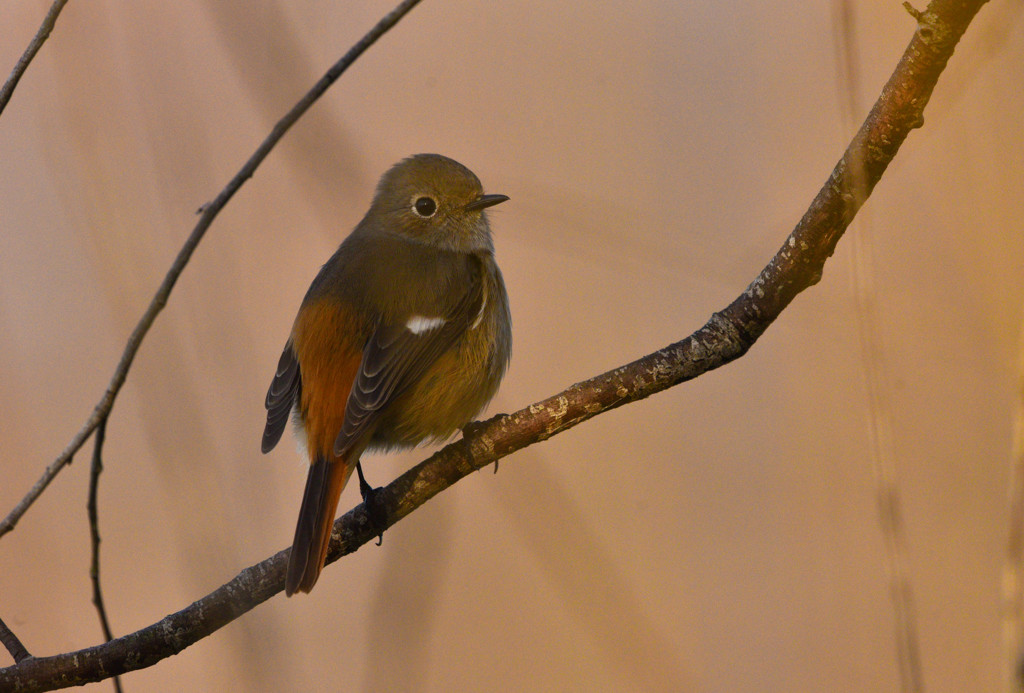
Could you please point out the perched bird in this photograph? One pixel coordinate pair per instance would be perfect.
(403, 337)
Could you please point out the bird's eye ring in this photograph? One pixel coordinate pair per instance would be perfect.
(424, 207)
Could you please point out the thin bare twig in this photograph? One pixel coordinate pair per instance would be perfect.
(94, 534)
(878, 384)
(1013, 567)
(33, 47)
(208, 211)
(726, 336)
(13, 645)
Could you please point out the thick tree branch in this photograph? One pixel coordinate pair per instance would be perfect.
(209, 211)
(33, 47)
(726, 336)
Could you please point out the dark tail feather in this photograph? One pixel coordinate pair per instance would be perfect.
(316, 517)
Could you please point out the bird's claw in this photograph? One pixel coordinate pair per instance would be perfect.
(374, 501)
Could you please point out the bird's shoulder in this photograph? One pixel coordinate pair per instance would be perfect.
(389, 274)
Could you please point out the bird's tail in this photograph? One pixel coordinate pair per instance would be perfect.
(316, 517)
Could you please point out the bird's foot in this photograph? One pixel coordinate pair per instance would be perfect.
(373, 499)
(473, 426)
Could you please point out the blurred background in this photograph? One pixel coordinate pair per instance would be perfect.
(721, 536)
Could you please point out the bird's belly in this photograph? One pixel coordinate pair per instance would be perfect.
(447, 397)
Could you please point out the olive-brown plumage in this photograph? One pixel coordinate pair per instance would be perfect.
(403, 336)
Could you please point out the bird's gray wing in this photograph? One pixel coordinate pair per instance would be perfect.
(398, 353)
(282, 395)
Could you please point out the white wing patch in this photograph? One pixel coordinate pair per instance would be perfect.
(418, 324)
(480, 314)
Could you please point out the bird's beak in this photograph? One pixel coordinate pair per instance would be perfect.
(485, 201)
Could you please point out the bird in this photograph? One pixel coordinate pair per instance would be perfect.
(402, 338)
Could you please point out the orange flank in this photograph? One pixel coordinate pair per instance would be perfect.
(325, 341)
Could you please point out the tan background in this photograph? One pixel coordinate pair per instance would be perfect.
(720, 537)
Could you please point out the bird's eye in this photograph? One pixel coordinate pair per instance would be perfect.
(425, 207)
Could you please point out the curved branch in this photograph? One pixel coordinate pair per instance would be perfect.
(209, 211)
(726, 336)
(49, 21)
(92, 508)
